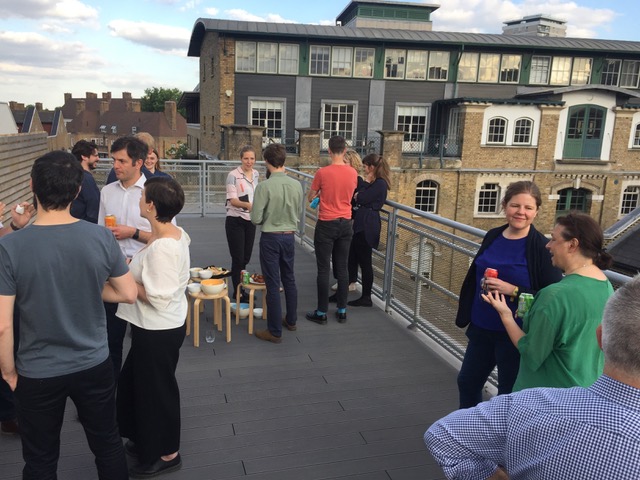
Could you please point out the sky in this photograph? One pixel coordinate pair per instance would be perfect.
(52, 47)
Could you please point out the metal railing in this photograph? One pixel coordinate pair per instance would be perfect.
(418, 268)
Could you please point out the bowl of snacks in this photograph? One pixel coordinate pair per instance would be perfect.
(212, 286)
(205, 273)
(193, 288)
(257, 312)
(194, 272)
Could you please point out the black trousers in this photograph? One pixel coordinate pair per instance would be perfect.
(148, 399)
(361, 255)
(240, 236)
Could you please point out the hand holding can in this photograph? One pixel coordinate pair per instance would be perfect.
(110, 221)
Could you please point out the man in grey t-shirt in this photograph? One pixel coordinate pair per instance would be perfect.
(58, 284)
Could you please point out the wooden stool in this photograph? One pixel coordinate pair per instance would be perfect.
(217, 313)
(252, 287)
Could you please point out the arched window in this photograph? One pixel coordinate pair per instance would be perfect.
(630, 198)
(427, 196)
(497, 130)
(522, 131)
(636, 137)
(573, 199)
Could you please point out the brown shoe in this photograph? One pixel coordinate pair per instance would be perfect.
(291, 328)
(9, 427)
(267, 336)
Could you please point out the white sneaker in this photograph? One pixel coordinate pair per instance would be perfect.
(352, 287)
(335, 287)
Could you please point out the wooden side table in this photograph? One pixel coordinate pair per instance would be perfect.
(252, 287)
(217, 313)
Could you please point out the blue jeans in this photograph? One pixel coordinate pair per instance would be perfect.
(40, 404)
(333, 236)
(277, 251)
(485, 350)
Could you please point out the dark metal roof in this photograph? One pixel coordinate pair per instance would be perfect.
(502, 101)
(441, 39)
(524, 92)
(626, 251)
(384, 3)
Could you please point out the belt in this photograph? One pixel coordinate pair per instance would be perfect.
(281, 233)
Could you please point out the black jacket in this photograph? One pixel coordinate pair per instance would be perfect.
(541, 271)
(366, 213)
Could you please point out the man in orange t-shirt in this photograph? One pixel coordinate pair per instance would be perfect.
(334, 184)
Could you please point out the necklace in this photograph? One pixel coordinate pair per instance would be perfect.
(579, 268)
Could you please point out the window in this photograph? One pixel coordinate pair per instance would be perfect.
(561, 71)
(610, 72)
(489, 198)
(630, 198)
(267, 57)
(497, 130)
(468, 67)
(268, 114)
(581, 71)
(629, 76)
(416, 65)
(339, 119)
(578, 199)
(363, 62)
(488, 69)
(540, 70)
(114, 129)
(288, 59)
(522, 131)
(412, 119)
(341, 61)
(438, 66)
(636, 137)
(245, 57)
(510, 69)
(319, 60)
(394, 63)
(427, 196)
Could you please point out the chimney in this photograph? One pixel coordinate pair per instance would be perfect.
(39, 106)
(104, 106)
(67, 97)
(171, 112)
(13, 105)
(92, 95)
(126, 95)
(128, 107)
(80, 105)
(106, 95)
(135, 106)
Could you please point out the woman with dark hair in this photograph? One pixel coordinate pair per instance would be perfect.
(517, 250)
(241, 233)
(148, 400)
(557, 342)
(369, 198)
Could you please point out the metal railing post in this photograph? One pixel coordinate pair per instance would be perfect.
(203, 186)
(389, 259)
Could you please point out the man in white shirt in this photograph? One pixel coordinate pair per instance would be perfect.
(122, 200)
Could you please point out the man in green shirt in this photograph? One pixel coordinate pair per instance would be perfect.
(276, 206)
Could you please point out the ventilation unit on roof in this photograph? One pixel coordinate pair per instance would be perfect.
(103, 129)
(134, 130)
(114, 129)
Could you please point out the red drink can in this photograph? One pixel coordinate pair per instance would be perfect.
(488, 273)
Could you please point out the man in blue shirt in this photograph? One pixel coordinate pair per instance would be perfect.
(87, 203)
(553, 433)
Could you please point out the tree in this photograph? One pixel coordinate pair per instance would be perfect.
(154, 98)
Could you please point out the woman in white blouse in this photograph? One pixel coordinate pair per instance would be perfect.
(148, 400)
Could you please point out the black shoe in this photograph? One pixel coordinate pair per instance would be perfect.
(333, 298)
(342, 317)
(244, 297)
(10, 427)
(157, 468)
(319, 319)
(131, 449)
(361, 302)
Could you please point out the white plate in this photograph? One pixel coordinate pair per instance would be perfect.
(253, 282)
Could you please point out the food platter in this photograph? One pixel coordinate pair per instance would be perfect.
(256, 279)
(253, 282)
(219, 272)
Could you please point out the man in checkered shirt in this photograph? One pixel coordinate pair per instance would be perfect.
(554, 433)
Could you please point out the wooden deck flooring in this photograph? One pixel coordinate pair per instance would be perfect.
(341, 401)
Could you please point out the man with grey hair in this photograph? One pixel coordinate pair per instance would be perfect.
(553, 433)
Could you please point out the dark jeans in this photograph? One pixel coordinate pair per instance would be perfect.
(7, 408)
(360, 255)
(485, 350)
(332, 236)
(277, 251)
(148, 400)
(240, 236)
(116, 330)
(351, 264)
(40, 404)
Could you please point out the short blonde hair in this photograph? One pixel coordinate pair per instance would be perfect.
(147, 138)
(352, 158)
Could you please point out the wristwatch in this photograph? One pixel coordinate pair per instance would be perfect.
(136, 235)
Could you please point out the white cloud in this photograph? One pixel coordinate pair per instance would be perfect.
(211, 11)
(162, 38)
(487, 16)
(239, 14)
(67, 10)
(55, 28)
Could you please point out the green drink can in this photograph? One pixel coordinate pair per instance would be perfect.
(525, 300)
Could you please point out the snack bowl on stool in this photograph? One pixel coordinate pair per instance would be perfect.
(194, 272)
(193, 287)
(257, 312)
(205, 273)
(212, 286)
(244, 309)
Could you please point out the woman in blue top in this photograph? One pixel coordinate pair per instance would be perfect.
(369, 198)
(517, 250)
